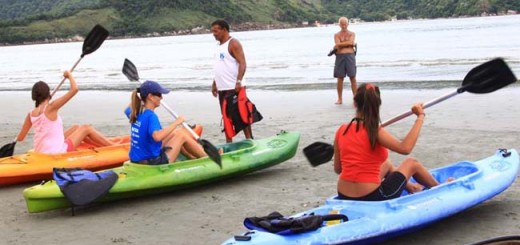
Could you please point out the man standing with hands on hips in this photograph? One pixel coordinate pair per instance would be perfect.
(230, 67)
(345, 64)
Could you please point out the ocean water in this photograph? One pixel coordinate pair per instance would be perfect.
(401, 54)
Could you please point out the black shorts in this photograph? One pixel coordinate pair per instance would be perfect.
(391, 187)
(161, 159)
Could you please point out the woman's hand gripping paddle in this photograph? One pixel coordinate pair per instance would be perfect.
(92, 42)
(485, 78)
(131, 73)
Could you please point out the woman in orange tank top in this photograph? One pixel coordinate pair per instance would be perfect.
(361, 153)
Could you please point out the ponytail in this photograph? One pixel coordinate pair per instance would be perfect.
(368, 101)
(135, 106)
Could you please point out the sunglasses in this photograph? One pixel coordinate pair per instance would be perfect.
(157, 94)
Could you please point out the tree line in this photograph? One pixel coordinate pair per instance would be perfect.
(36, 20)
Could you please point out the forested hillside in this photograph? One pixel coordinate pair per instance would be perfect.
(39, 20)
(43, 9)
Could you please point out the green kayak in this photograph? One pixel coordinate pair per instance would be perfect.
(138, 180)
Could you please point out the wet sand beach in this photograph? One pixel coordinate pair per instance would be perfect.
(466, 127)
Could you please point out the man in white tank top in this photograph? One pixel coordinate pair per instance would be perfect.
(230, 67)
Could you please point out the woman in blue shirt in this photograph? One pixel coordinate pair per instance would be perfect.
(150, 143)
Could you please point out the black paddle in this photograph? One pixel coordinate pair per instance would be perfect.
(8, 149)
(485, 78)
(131, 73)
(514, 239)
(92, 42)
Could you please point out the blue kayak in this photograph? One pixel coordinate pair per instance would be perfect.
(372, 222)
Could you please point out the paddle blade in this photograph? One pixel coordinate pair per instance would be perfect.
(488, 77)
(7, 150)
(130, 70)
(94, 39)
(212, 151)
(318, 153)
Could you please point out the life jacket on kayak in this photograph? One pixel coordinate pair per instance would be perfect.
(238, 112)
(277, 223)
(82, 187)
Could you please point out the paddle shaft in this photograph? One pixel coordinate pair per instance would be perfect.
(186, 126)
(63, 80)
(428, 104)
(175, 116)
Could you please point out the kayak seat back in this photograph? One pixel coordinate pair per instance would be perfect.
(237, 146)
(457, 171)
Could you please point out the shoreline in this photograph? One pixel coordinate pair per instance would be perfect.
(289, 87)
(247, 26)
(242, 27)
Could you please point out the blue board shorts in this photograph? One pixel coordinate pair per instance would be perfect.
(345, 65)
(391, 187)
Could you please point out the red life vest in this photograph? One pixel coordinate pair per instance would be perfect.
(229, 130)
(245, 107)
(238, 112)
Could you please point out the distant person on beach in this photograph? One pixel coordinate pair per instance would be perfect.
(230, 67)
(361, 153)
(47, 124)
(150, 143)
(345, 64)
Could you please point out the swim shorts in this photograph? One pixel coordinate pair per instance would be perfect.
(345, 65)
(391, 187)
(161, 159)
(70, 145)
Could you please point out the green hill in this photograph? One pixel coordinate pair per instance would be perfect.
(40, 20)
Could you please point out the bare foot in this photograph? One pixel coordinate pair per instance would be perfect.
(339, 102)
(450, 179)
(414, 187)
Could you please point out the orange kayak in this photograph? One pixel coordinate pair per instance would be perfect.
(34, 166)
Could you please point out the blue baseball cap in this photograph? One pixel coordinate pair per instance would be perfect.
(151, 87)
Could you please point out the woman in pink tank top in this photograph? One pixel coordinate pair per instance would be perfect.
(49, 136)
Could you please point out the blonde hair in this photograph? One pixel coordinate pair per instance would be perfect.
(343, 18)
(135, 106)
